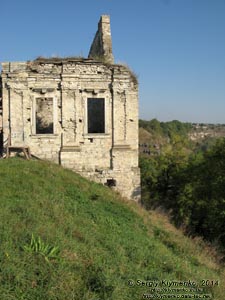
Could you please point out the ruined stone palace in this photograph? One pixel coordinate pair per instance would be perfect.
(79, 112)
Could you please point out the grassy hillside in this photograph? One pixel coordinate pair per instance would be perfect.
(87, 242)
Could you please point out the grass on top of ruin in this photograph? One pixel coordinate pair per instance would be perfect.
(63, 237)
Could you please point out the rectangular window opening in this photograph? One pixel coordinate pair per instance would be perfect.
(44, 115)
(96, 115)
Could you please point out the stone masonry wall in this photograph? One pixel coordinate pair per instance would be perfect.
(102, 44)
(69, 84)
(45, 107)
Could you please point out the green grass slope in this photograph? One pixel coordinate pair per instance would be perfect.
(87, 241)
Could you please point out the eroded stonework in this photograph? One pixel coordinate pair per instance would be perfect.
(80, 113)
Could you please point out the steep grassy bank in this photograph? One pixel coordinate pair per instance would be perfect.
(87, 242)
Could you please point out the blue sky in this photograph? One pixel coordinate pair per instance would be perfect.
(176, 47)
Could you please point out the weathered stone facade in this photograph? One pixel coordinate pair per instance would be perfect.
(81, 113)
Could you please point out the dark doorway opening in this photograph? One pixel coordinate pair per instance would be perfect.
(110, 182)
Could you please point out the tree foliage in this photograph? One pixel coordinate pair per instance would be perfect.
(167, 129)
(191, 187)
